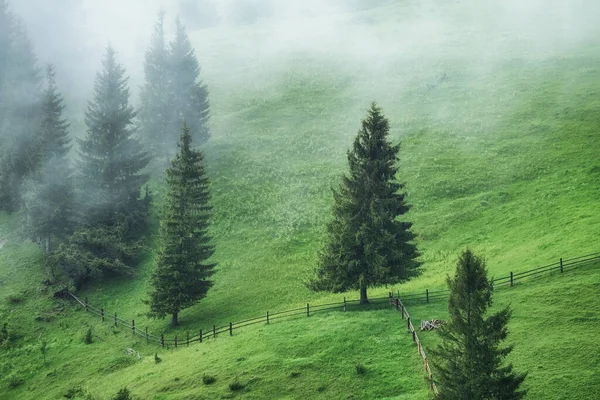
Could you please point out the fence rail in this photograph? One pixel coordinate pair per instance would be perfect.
(428, 296)
(396, 302)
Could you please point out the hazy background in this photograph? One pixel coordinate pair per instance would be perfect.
(264, 35)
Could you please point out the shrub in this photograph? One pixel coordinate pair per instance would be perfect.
(73, 392)
(15, 298)
(14, 379)
(360, 369)
(87, 339)
(208, 379)
(123, 394)
(235, 386)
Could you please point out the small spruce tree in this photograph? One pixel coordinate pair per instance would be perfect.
(367, 244)
(468, 363)
(181, 278)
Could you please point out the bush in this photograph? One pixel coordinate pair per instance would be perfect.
(360, 369)
(14, 379)
(123, 394)
(15, 298)
(208, 379)
(88, 338)
(235, 386)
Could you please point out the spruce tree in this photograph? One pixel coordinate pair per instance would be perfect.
(367, 244)
(182, 275)
(110, 182)
(156, 111)
(50, 205)
(469, 360)
(20, 84)
(189, 99)
(111, 155)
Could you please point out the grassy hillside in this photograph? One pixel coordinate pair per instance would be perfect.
(501, 156)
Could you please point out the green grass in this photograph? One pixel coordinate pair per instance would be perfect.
(501, 157)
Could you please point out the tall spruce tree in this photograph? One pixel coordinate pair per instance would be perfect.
(189, 94)
(367, 245)
(182, 275)
(110, 182)
(469, 361)
(20, 90)
(111, 155)
(156, 112)
(50, 203)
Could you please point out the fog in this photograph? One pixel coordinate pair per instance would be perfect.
(72, 34)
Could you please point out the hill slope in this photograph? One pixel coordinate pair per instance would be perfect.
(501, 155)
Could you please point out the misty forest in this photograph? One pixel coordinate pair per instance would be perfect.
(341, 199)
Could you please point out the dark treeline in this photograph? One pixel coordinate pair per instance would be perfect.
(87, 202)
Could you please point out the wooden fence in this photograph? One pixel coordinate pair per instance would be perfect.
(396, 302)
(562, 265)
(214, 331)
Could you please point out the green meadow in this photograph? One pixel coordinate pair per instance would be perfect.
(502, 156)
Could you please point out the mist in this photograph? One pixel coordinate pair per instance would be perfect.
(72, 34)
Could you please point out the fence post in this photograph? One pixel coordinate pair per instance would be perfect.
(344, 303)
(267, 318)
(397, 304)
(146, 334)
(102, 314)
(402, 312)
(162, 340)
(307, 310)
(230, 329)
(408, 323)
(427, 295)
(389, 297)
(187, 338)
(214, 331)
(116, 319)
(86, 303)
(561, 266)
(414, 335)
(200, 335)
(511, 278)
(133, 327)
(175, 341)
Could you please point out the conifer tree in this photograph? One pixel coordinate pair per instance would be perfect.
(182, 275)
(110, 182)
(469, 361)
(156, 111)
(366, 244)
(20, 83)
(189, 94)
(50, 206)
(112, 156)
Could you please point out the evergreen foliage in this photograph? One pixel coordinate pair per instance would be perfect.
(50, 201)
(181, 278)
(469, 361)
(20, 84)
(367, 245)
(190, 95)
(112, 157)
(172, 93)
(155, 111)
(111, 160)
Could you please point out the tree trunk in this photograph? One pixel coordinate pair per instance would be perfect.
(174, 319)
(363, 295)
